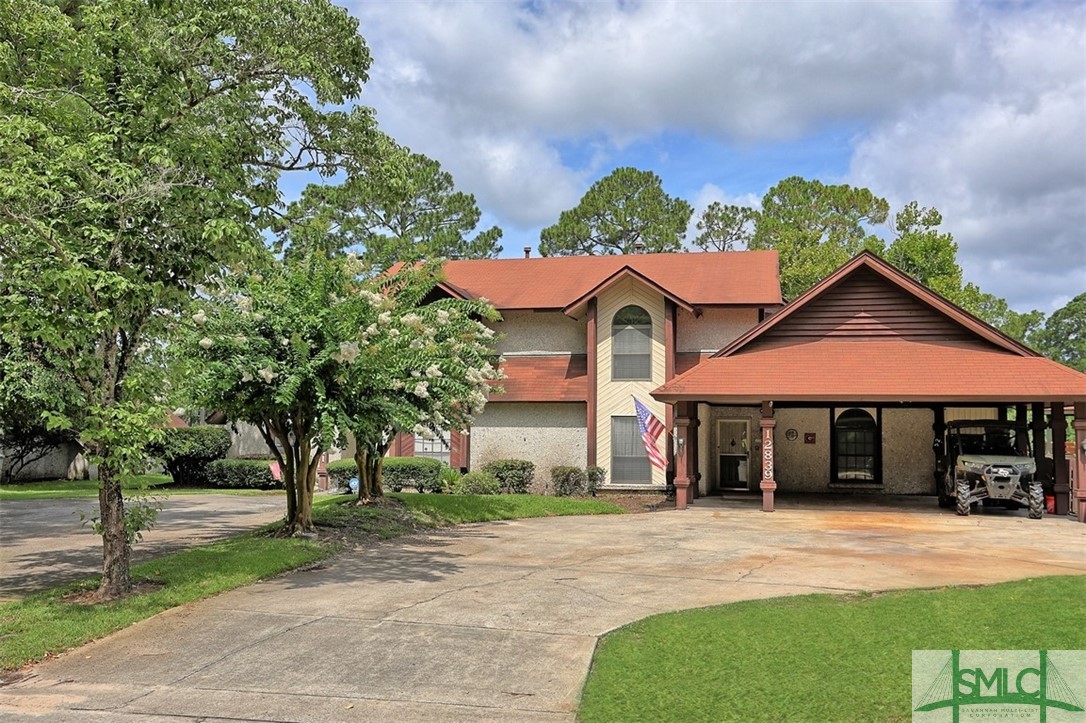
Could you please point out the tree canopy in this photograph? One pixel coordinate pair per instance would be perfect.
(402, 208)
(1063, 337)
(722, 226)
(816, 228)
(140, 151)
(626, 208)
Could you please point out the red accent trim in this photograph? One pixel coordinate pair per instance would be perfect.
(669, 372)
(590, 411)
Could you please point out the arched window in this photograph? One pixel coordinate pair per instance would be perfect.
(631, 344)
(855, 446)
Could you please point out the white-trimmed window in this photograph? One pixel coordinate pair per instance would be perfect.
(629, 461)
(435, 448)
(631, 344)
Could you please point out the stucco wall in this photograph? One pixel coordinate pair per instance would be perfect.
(615, 398)
(548, 434)
(545, 332)
(907, 457)
(54, 465)
(800, 467)
(713, 330)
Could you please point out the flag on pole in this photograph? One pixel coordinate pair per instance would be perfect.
(651, 429)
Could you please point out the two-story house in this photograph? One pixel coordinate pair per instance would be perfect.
(842, 389)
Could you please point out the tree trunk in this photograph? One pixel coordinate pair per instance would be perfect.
(305, 481)
(116, 550)
(361, 461)
(376, 486)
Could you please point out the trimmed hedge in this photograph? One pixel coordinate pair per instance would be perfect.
(187, 451)
(477, 483)
(422, 473)
(341, 472)
(242, 474)
(568, 481)
(515, 475)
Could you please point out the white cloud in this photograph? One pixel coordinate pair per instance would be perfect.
(1006, 164)
(976, 109)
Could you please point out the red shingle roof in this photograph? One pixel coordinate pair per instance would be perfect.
(876, 370)
(870, 333)
(544, 379)
(740, 278)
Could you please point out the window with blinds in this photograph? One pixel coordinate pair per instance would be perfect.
(631, 344)
(629, 462)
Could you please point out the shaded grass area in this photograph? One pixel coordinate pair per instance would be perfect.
(458, 509)
(817, 657)
(53, 621)
(156, 484)
(46, 623)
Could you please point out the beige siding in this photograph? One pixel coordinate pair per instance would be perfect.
(547, 332)
(714, 329)
(548, 434)
(615, 398)
(907, 456)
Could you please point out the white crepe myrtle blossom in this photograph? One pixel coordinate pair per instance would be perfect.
(442, 317)
(245, 304)
(422, 390)
(433, 371)
(267, 374)
(246, 377)
(200, 317)
(384, 317)
(206, 343)
(348, 352)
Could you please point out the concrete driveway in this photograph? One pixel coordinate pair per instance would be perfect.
(498, 622)
(43, 543)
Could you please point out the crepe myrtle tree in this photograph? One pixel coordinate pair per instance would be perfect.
(305, 350)
(140, 147)
(420, 367)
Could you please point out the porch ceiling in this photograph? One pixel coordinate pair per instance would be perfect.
(876, 370)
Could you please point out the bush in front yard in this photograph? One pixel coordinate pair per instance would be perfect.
(568, 481)
(242, 474)
(422, 473)
(187, 451)
(595, 477)
(477, 483)
(515, 475)
(341, 472)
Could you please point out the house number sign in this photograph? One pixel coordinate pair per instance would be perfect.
(767, 454)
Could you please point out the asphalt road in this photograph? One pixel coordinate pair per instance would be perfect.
(43, 542)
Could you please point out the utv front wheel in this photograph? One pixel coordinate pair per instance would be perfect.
(1036, 501)
(962, 491)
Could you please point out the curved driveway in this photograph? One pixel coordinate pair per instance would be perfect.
(497, 622)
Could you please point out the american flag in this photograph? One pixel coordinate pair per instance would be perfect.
(651, 429)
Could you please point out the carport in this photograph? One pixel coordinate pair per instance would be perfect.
(870, 349)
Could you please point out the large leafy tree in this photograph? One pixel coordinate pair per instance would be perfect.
(816, 228)
(140, 149)
(403, 208)
(1064, 335)
(721, 227)
(623, 211)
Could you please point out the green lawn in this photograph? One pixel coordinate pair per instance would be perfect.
(458, 509)
(818, 657)
(44, 624)
(157, 484)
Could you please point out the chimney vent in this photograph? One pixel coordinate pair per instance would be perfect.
(527, 252)
(639, 247)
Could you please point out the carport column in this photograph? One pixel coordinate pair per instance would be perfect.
(1080, 460)
(681, 435)
(1038, 426)
(1062, 488)
(768, 484)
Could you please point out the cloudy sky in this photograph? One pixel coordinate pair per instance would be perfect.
(978, 109)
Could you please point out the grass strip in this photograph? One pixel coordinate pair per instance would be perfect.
(458, 509)
(817, 657)
(155, 484)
